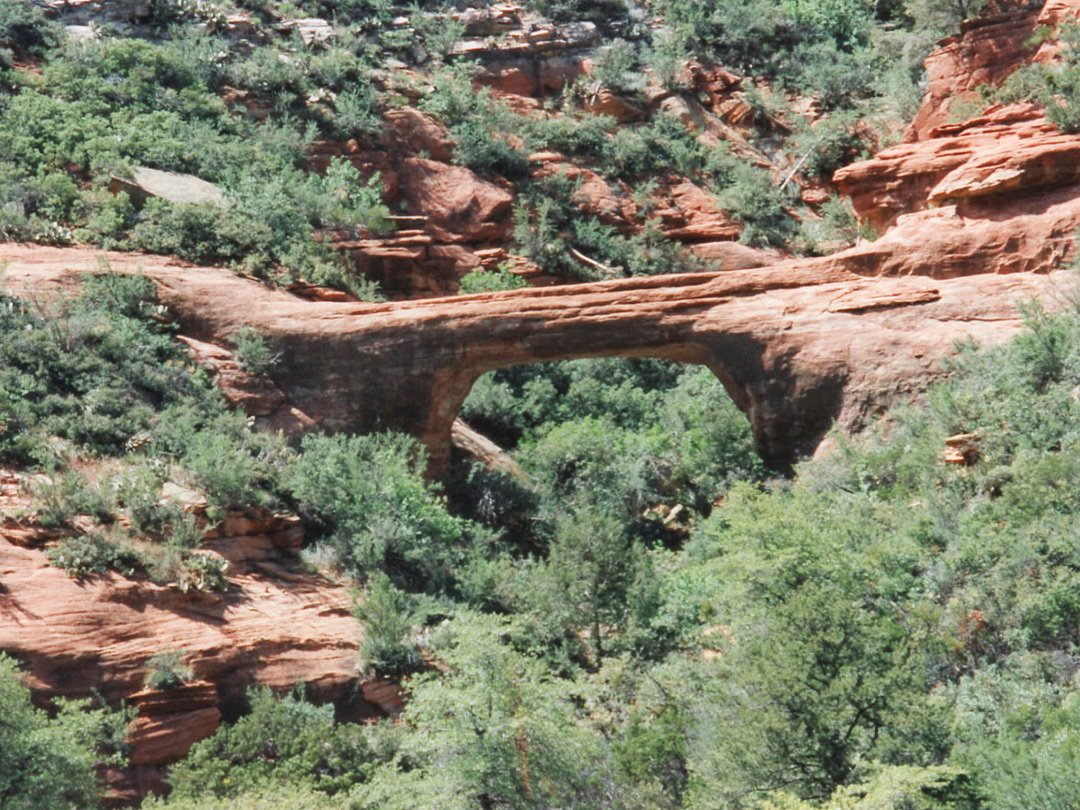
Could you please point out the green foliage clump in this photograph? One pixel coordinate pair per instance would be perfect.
(755, 201)
(392, 521)
(48, 761)
(58, 501)
(850, 678)
(682, 434)
(94, 371)
(385, 615)
(496, 731)
(252, 352)
(550, 230)
(24, 27)
(482, 281)
(284, 743)
(295, 797)
(92, 554)
(167, 669)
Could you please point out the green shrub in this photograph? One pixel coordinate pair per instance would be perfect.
(282, 742)
(616, 68)
(237, 484)
(941, 17)
(90, 555)
(102, 106)
(89, 371)
(25, 27)
(487, 152)
(252, 352)
(263, 798)
(438, 33)
(167, 669)
(482, 281)
(583, 136)
(202, 572)
(49, 759)
(393, 521)
(59, 500)
(355, 112)
(138, 492)
(453, 100)
(383, 612)
(192, 232)
(603, 11)
(752, 198)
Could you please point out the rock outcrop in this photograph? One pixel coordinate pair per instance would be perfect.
(988, 164)
(798, 345)
(272, 627)
(985, 52)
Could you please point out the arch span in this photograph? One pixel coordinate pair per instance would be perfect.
(798, 345)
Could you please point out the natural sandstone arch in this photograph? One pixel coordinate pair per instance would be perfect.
(797, 345)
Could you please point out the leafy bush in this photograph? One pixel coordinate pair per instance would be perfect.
(615, 68)
(25, 27)
(263, 798)
(283, 741)
(48, 760)
(752, 198)
(252, 352)
(58, 501)
(256, 461)
(393, 521)
(88, 372)
(495, 731)
(91, 555)
(355, 112)
(486, 152)
(138, 492)
(203, 572)
(102, 106)
(167, 669)
(482, 281)
(383, 611)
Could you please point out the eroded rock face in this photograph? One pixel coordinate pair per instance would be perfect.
(459, 206)
(911, 176)
(986, 51)
(272, 627)
(992, 165)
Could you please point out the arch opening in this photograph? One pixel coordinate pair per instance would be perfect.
(650, 442)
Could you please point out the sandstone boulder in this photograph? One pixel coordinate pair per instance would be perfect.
(177, 188)
(459, 205)
(412, 132)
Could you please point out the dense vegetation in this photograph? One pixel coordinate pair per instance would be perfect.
(182, 101)
(883, 630)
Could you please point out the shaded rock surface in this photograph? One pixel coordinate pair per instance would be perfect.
(272, 627)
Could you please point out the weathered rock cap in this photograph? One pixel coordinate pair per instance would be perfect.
(174, 187)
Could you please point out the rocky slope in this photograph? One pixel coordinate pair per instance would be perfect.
(272, 627)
